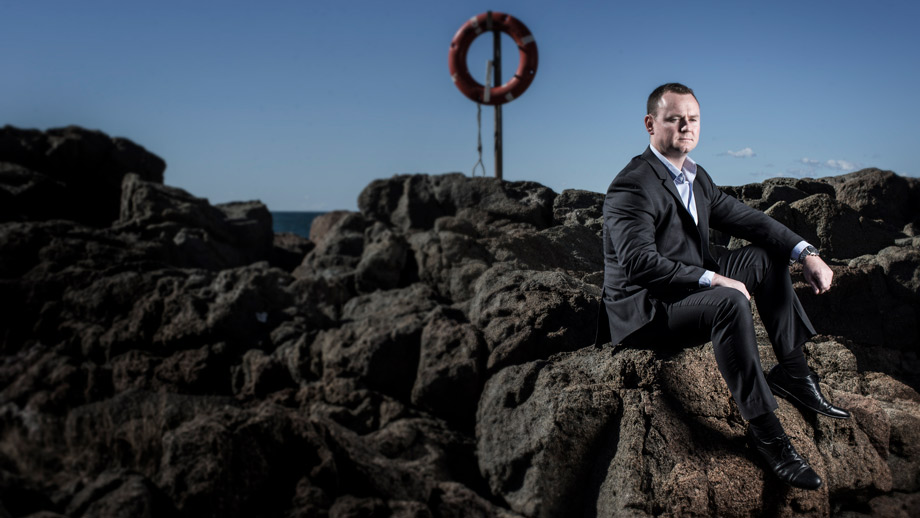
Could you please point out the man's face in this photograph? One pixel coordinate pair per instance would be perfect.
(675, 127)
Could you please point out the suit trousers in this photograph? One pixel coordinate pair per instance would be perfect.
(724, 316)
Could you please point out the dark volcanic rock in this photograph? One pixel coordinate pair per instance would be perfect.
(575, 207)
(69, 173)
(416, 201)
(526, 314)
(197, 234)
(425, 357)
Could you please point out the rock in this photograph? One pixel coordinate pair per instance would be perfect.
(537, 429)
(121, 494)
(575, 207)
(449, 261)
(425, 357)
(406, 459)
(764, 195)
(80, 170)
(184, 443)
(890, 279)
(877, 194)
(574, 249)
(340, 247)
(525, 314)
(26, 195)
(416, 201)
(259, 374)
(451, 367)
(453, 500)
(545, 441)
(349, 506)
(288, 250)
(200, 235)
(836, 229)
(378, 346)
(382, 263)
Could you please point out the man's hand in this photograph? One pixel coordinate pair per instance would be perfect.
(721, 280)
(818, 274)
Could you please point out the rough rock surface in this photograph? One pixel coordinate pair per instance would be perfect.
(428, 356)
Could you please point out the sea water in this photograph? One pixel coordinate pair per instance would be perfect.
(295, 222)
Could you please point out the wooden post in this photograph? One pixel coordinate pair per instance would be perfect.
(497, 81)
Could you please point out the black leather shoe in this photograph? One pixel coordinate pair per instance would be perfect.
(803, 392)
(785, 462)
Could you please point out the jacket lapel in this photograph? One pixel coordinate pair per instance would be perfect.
(662, 172)
(702, 213)
(702, 205)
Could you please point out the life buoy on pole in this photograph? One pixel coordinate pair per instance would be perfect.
(460, 45)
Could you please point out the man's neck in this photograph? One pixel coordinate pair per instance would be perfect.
(677, 161)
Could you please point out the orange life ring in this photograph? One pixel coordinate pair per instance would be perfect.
(527, 66)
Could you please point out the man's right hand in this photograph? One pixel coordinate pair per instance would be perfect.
(721, 280)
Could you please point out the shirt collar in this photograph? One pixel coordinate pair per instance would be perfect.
(689, 168)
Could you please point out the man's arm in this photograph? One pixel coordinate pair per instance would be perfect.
(738, 219)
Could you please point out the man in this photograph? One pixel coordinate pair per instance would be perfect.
(662, 285)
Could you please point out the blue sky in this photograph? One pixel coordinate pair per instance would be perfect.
(302, 104)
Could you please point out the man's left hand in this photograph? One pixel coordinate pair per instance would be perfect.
(818, 274)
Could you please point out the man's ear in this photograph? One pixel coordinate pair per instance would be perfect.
(650, 124)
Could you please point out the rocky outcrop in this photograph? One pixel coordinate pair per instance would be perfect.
(68, 173)
(430, 355)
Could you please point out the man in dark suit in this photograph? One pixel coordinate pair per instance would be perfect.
(663, 285)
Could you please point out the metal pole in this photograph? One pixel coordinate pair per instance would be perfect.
(497, 79)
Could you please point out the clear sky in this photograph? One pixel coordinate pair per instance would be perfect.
(301, 104)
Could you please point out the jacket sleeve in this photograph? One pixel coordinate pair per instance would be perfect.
(733, 217)
(630, 228)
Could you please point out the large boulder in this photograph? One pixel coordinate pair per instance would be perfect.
(846, 216)
(527, 314)
(416, 201)
(198, 234)
(640, 432)
(68, 173)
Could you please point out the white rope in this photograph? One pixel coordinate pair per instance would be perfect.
(479, 140)
(485, 97)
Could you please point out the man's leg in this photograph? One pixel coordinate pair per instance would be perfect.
(767, 280)
(724, 314)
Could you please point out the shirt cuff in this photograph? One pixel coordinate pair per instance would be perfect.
(797, 251)
(706, 279)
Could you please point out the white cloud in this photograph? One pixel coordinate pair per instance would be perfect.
(812, 166)
(842, 165)
(743, 153)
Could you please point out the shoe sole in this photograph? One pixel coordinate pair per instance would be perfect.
(785, 394)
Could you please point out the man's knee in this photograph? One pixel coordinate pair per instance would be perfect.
(732, 300)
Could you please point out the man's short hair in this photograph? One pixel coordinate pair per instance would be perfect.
(655, 97)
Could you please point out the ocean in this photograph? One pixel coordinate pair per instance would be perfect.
(295, 222)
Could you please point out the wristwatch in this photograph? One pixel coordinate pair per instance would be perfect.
(808, 250)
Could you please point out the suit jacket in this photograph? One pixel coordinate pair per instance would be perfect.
(654, 251)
